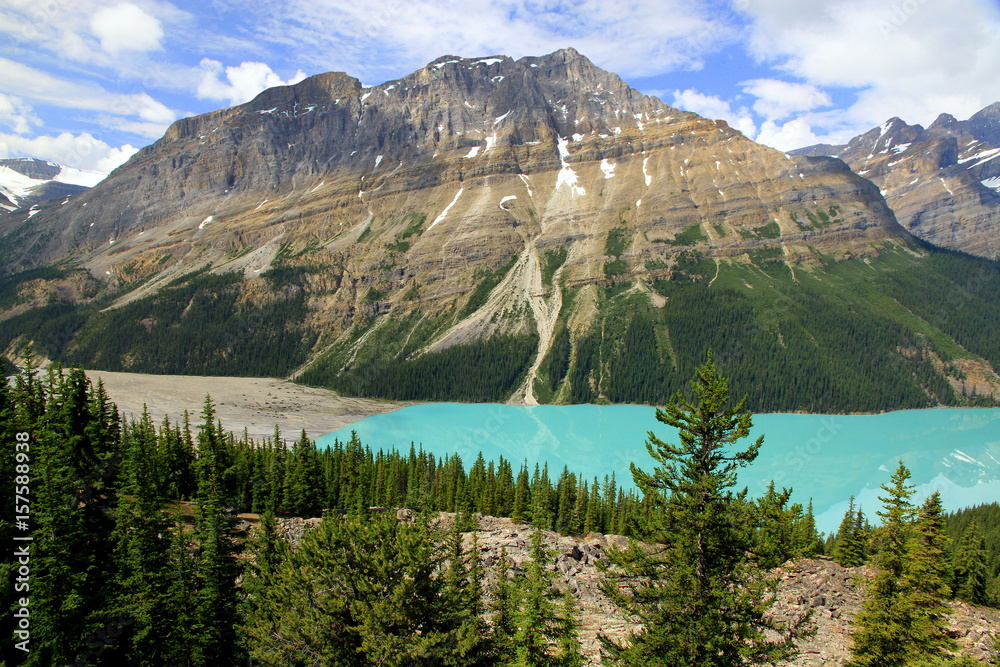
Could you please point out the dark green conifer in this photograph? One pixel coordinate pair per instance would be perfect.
(544, 635)
(366, 589)
(700, 600)
(522, 495)
(902, 620)
(142, 551)
(969, 566)
(849, 548)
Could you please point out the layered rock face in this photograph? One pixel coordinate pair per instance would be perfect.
(548, 149)
(401, 202)
(943, 182)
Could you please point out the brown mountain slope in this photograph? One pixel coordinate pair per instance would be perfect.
(942, 182)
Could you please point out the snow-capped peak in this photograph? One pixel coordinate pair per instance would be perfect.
(21, 178)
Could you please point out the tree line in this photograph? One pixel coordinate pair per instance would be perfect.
(137, 559)
(969, 543)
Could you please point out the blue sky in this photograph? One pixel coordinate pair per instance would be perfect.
(87, 83)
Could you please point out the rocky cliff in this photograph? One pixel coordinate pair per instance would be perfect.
(942, 182)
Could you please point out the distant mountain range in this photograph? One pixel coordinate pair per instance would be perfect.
(943, 182)
(26, 183)
(530, 230)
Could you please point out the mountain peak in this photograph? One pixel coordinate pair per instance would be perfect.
(317, 88)
(984, 125)
(943, 120)
(32, 167)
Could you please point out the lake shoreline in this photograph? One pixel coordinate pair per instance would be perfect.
(257, 404)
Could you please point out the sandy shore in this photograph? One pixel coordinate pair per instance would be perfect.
(254, 403)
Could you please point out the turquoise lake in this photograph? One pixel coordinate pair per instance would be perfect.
(824, 457)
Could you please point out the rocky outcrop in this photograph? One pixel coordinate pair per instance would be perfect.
(942, 182)
(829, 593)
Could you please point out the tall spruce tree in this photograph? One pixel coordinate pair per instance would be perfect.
(216, 567)
(267, 552)
(850, 546)
(969, 566)
(901, 620)
(73, 507)
(927, 574)
(700, 599)
(142, 550)
(775, 525)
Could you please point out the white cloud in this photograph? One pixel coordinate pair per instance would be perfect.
(17, 115)
(126, 27)
(142, 129)
(243, 82)
(909, 58)
(714, 107)
(38, 85)
(778, 99)
(114, 158)
(378, 40)
(796, 133)
(82, 151)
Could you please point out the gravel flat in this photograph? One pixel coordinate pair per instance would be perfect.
(254, 403)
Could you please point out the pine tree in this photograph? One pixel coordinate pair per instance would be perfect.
(544, 634)
(591, 517)
(849, 549)
(463, 590)
(503, 607)
(699, 598)
(969, 566)
(182, 632)
(568, 652)
(902, 619)
(75, 483)
(366, 589)
(806, 541)
(927, 573)
(301, 489)
(142, 550)
(216, 568)
(774, 534)
(541, 499)
(522, 495)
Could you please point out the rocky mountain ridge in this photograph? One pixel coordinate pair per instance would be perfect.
(942, 182)
(817, 585)
(507, 211)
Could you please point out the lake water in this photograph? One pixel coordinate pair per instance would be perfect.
(824, 457)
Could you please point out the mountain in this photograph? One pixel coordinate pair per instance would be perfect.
(494, 229)
(27, 183)
(943, 182)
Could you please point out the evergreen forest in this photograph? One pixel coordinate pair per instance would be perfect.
(131, 550)
(906, 328)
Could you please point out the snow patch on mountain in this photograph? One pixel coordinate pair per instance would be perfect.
(446, 209)
(566, 175)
